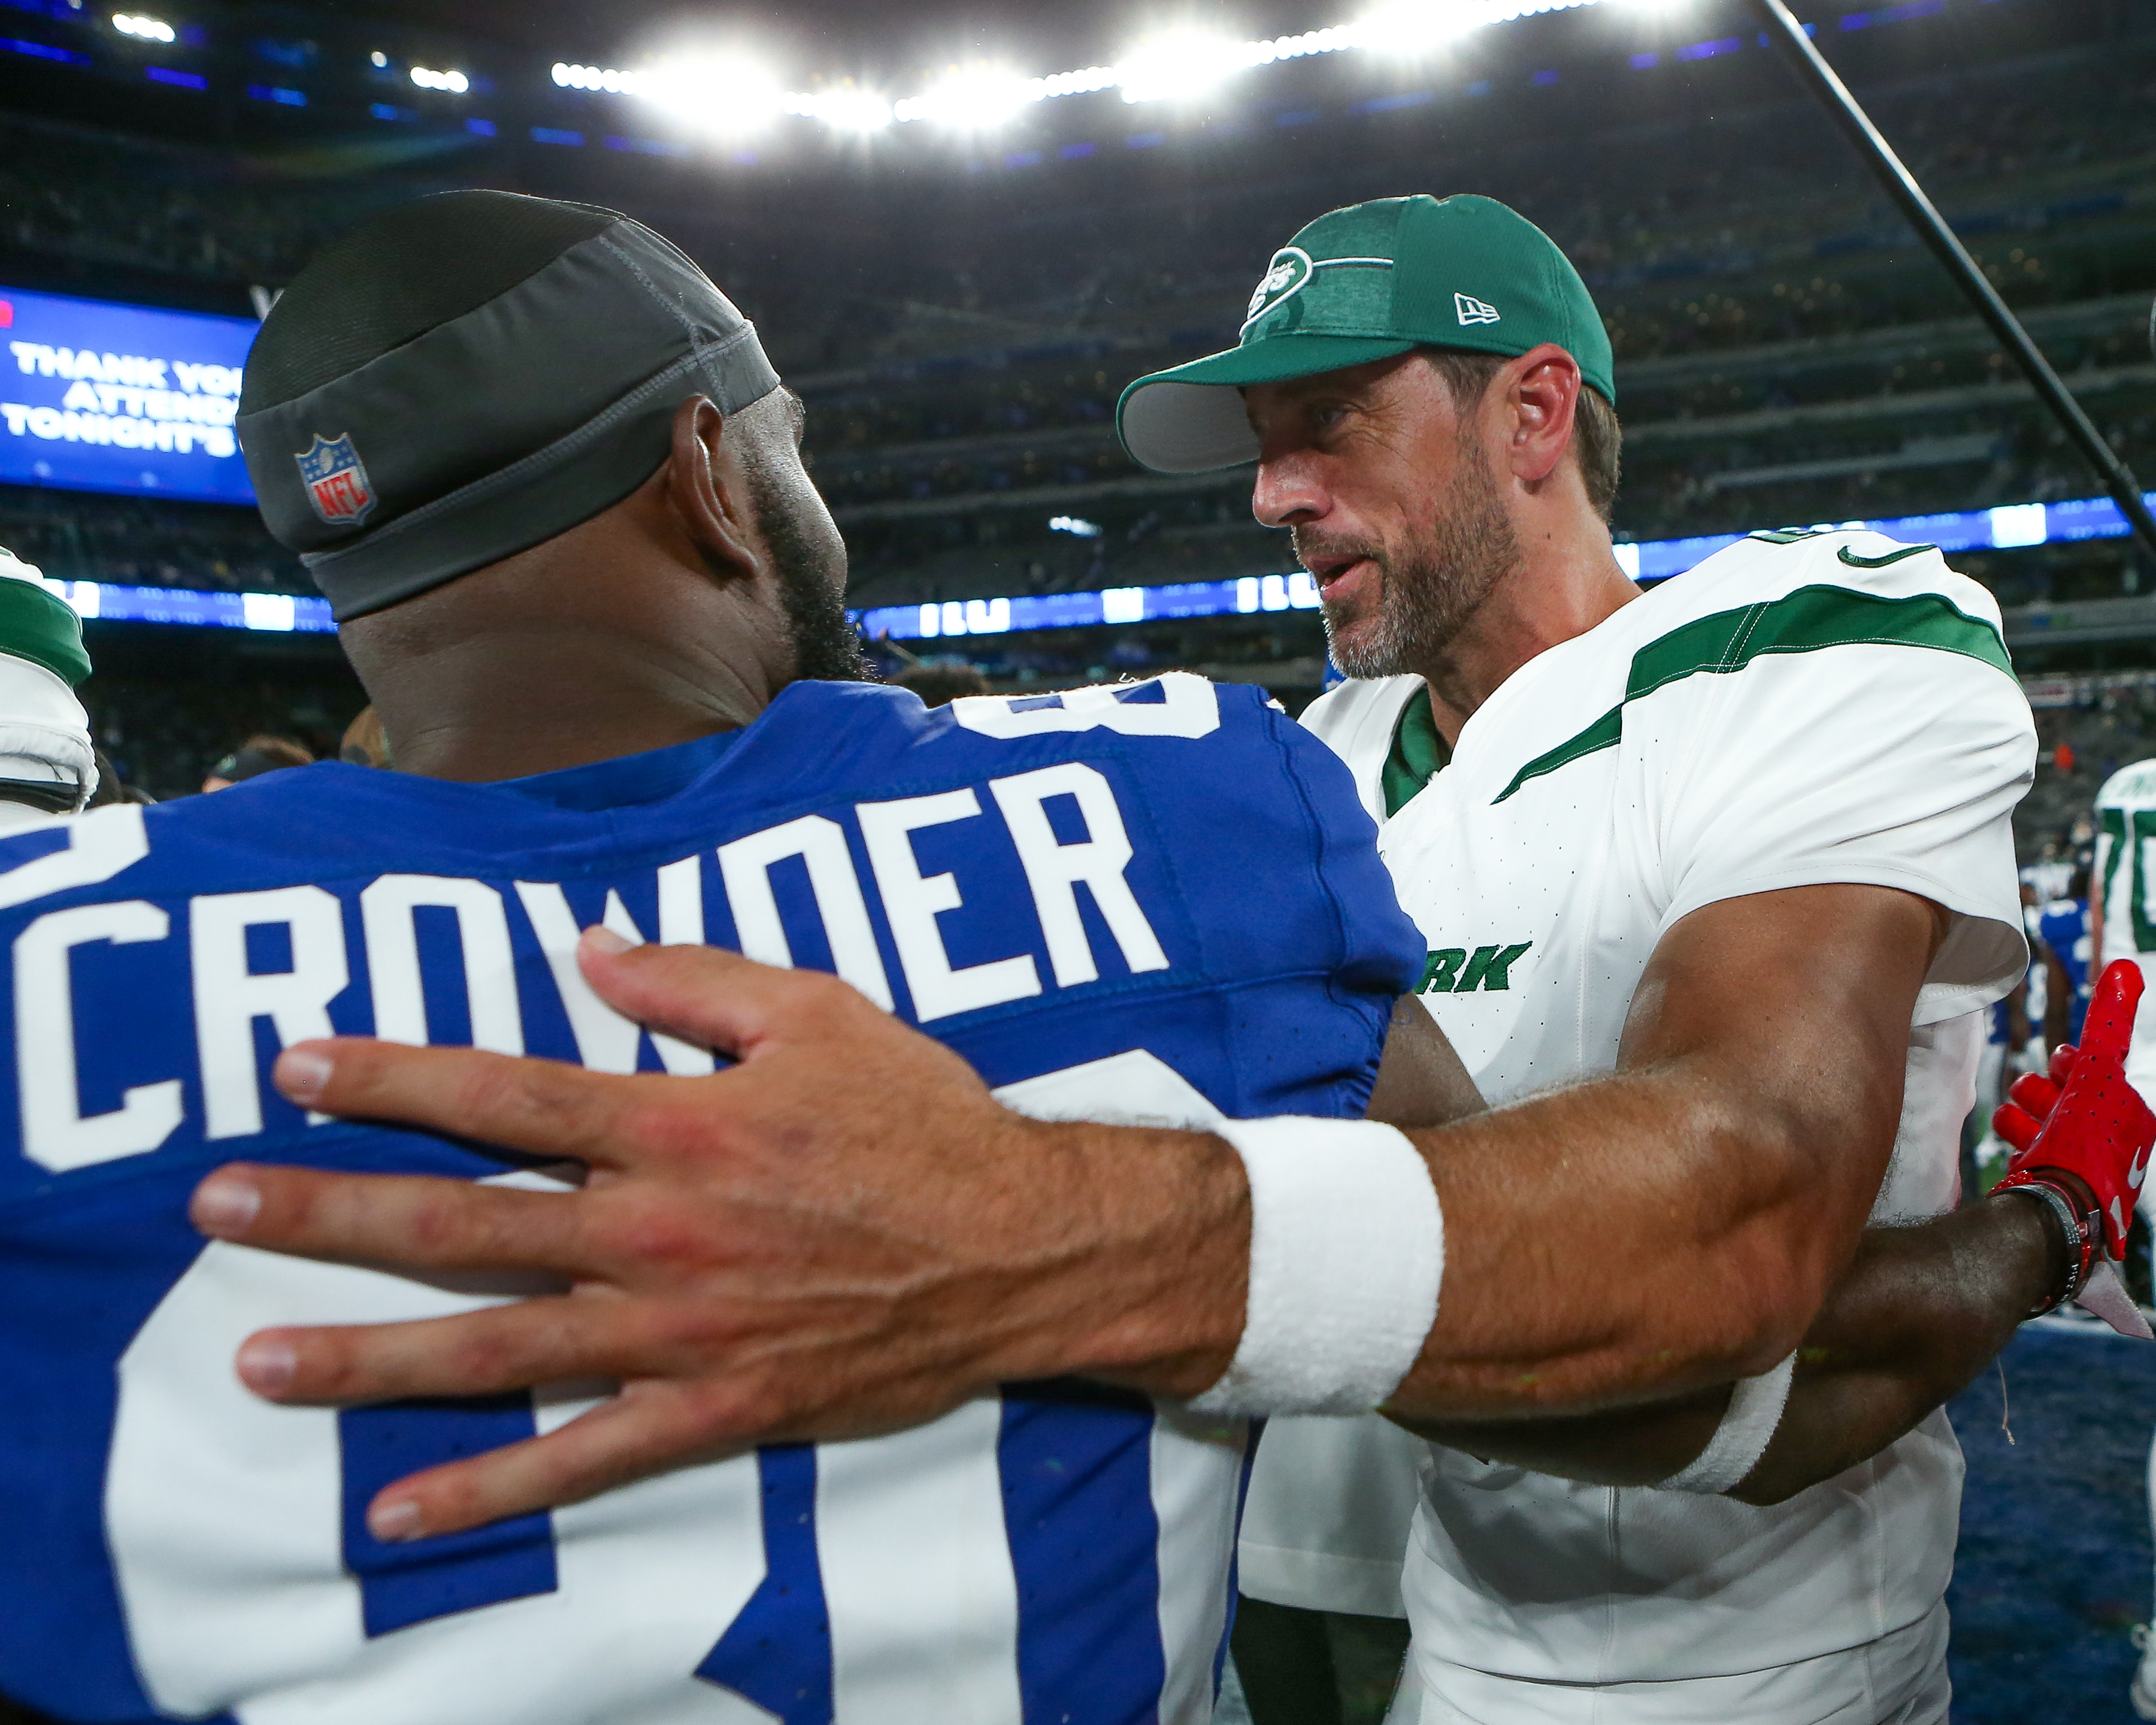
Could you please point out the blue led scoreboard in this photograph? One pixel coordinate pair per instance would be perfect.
(100, 397)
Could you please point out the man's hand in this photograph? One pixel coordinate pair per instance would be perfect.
(755, 1255)
(2084, 1129)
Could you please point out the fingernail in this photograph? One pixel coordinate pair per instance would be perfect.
(394, 1521)
(224, 1204)
(599, 938)
(303, 1073)
(266, 1365)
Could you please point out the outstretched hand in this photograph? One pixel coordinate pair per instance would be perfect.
(842, 1234)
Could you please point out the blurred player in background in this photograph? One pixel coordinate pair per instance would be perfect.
(258, 755)
(363, 744)
(2048, 877)
(939, 685)
(2122, 925)
(2063, 925)
(47, 763)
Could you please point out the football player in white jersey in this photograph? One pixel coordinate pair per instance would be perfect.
(2122, 899)
(1729, 864)
(47, 764)
(1731, 734)
(2123, 925)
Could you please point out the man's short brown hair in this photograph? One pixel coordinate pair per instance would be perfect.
(1597, 440)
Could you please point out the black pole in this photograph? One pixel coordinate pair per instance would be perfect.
(1902, 185)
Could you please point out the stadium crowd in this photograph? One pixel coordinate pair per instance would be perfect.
(1785, 352)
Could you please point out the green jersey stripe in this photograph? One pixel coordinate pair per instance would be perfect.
(1418, 754)
(1604, 733)
(1805, 621)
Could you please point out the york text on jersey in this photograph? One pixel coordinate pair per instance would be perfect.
(1454, 970)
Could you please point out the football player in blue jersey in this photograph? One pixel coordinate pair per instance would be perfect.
(552, 485)
(2063, 925)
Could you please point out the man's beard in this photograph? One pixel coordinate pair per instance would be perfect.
(827, 647)
(1431, 586)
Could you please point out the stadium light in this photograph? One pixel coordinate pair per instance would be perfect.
(377, 59)
(142, 29)
(1074, 524)
(1174, 65)
(843, 109)
(1181, 64)
(455, 82)
(1412, 28)
(726, 95)
(972, 96)
(606, 78)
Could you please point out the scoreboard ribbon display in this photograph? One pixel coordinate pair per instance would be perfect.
(104, 397)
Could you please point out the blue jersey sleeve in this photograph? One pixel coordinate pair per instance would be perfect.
(1284, 941)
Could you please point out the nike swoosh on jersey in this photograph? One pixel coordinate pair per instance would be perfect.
(1856, 561)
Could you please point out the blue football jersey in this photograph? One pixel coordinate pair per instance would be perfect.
(1161, 900)
(2064, 927)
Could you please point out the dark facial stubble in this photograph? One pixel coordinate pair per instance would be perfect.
(1431, 586)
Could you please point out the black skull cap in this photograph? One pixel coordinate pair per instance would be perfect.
(469, 374)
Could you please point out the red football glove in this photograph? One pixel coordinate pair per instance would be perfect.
(2083, 1116)
(2033, 1095)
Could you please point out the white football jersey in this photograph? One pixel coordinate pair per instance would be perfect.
(2126, 823)
(1800, 709)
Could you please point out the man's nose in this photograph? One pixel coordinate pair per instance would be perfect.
(1286, 495)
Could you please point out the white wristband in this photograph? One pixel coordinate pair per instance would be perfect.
(1747, 1426)
(1346, 1251)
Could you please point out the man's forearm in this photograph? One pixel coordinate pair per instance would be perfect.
(1619, 1243)
(1923, 1309)
(1677, 1276)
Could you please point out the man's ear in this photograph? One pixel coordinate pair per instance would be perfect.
(708, 491)
(1544, 395)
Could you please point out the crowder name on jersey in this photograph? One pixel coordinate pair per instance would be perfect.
(1158, 901)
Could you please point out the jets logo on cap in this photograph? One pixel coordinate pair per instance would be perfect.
(335, 480)
(1285, 276)
(1472, 309)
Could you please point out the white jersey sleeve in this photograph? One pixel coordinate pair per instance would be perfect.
(1859, 723)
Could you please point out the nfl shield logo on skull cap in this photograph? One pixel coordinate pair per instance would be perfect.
(336, 480)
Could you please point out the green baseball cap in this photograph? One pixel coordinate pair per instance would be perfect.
(1365, 282)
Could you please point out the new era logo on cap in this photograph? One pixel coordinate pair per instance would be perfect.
(1473, 310)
